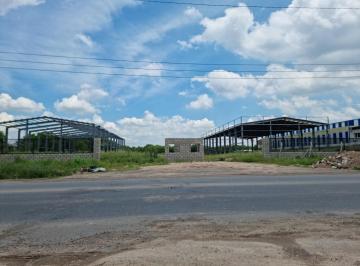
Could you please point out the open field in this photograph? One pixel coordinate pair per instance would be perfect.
(125, 160)
(119, 164)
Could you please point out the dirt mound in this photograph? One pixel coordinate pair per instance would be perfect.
(343, 160)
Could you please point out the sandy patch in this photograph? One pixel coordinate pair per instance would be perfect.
(346, 251)
(198, 169)
(212, 253)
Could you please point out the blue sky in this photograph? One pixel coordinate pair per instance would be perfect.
(148, 109)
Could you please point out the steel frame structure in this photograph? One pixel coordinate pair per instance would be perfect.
(223, 139)
(63, 129)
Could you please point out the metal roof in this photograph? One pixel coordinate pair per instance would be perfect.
(263, 128)
(59, 127)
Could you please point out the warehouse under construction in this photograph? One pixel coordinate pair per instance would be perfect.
(46, 137)
(284, 135)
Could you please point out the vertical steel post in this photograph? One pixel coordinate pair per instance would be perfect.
(327, 132)
(27, 136)
(6, 140)
(230, 140)
(242, 134)
(217, 144)
(224, 148)
(18, 140)
(61, 137)
(46, 142)
(38, 142)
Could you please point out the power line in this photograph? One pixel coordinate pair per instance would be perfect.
(168, 62)
(173, 70)
(245, 6)
(175, 77)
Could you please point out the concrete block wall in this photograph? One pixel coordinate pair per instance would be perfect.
(97, 149)
(301, 154)
(45, 156)
(55, 156)
(183, 149)
(298, 154)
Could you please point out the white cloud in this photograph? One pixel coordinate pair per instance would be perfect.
(91, 93)
(81, 103)
(7, 5)
(69, 18)
(193, 13)
(226, 84)
(229, 31)
(153, 129)
(183, 93)
(6, 117)
(20, 105)
(75, 105)
(184, 45)
(48, 113)
(313, 93)
(289, 34)
(280, 81)
(319, 109)
(85, 39)
(202, 102)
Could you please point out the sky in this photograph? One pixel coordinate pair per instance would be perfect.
(245, 61)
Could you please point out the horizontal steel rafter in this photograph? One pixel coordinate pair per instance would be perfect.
(58, 126)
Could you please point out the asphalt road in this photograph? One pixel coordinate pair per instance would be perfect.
(46, 201)
(47, 216)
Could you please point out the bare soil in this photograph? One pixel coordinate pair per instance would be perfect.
(317, 240)
(198, 169)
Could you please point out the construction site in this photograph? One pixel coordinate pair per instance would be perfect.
(57, 138)
(283, 134)
(45, 137)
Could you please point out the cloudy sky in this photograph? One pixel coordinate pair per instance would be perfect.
(116, 63)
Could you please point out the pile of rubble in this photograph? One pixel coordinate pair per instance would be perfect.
(343, 160)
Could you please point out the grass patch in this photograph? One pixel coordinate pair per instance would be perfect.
(129, 160)
(41, 169)
(257, 157)
(122, 160)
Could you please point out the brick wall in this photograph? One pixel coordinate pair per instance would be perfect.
(183, 149)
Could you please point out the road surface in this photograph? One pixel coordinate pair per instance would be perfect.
(47, 214)
(43, 201)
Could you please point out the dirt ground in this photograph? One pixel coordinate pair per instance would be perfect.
(300, 241)
(317, 240)
(198, 169)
